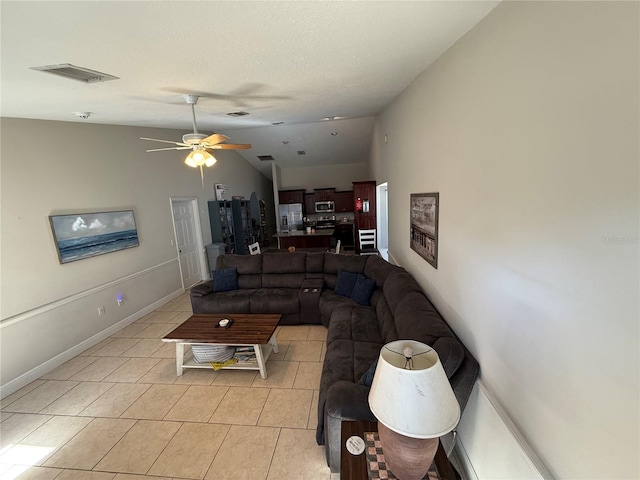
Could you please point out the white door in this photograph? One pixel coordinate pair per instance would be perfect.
(187, 242)
(383, 220)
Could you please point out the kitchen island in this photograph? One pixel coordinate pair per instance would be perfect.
(302, 239)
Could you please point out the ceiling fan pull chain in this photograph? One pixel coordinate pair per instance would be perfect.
(202, 176)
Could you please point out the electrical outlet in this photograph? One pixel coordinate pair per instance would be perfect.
(101, 310)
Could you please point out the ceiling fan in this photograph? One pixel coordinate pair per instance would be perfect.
(199, 143)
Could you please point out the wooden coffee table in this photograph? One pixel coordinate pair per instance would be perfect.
(254, 330)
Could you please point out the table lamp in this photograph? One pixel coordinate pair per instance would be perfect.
(415, 405)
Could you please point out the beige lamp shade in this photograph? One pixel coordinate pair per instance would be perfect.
(417, 403)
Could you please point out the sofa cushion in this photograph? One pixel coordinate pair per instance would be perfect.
(225, 280)
(340, 324)
(379, 269)
(397, 286)
(355, 324)
(364, 325)
(315, 265)
(275, 300)
(282, 280)
(385, 321)
(334, 262)
(362, 290)
(233, 301)
(346, 282)
(276, 262)
(245, 264)
(417, 319)
(249, 268)
(329, 301)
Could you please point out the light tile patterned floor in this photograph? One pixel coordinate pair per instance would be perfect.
(119, 412)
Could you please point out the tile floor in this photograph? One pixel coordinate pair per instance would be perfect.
(119, 412)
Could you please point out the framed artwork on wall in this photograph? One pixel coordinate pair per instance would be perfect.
(84, 235)
(424, 226)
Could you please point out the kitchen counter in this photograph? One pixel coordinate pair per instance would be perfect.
(302, 233)
(302, 239)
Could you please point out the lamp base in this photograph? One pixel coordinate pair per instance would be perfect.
(408, 458)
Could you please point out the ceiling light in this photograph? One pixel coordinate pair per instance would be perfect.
(333, 118)
(198, 158)
(237, 114)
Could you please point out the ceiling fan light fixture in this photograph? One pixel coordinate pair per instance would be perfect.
(191, 160)
(211, 161)
(197, 158)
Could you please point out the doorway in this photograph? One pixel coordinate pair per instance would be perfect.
(382, 220)
(188, 240)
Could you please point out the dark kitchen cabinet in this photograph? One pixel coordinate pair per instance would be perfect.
(324, 194)
(363, 193)
(343, 201)
(291, 196)
(309, 203)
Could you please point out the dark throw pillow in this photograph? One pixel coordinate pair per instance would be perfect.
(225, 279)
(362, 290)
(345, 283)
(367, 377)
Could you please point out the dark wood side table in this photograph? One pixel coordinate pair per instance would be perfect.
(354, 467)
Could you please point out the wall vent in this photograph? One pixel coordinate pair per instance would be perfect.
(301, 152)
(238, 114)
(73, 72)
(265, 158)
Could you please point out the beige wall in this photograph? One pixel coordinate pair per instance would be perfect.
(338, 176)
(63, 167)
(528, 128)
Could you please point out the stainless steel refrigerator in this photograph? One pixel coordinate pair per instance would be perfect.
(290, 217)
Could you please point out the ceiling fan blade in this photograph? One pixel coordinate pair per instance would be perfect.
(169, 148)
(215, 138)
(165, 141)
(230, 146)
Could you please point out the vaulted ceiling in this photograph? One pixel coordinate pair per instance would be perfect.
(290, 65)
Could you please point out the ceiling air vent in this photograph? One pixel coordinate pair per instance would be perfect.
(301, 152)
(265, 158)
(238, 114)
(80, 74)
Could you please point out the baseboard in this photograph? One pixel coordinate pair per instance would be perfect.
(36, 372)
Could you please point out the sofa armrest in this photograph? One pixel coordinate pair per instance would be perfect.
(202, 290)
(345, 401)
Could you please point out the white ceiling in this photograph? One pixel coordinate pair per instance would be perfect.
(293, 62)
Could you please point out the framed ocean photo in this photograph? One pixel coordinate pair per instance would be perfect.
(85, 235)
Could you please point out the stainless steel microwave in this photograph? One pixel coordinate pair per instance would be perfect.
(324, 207)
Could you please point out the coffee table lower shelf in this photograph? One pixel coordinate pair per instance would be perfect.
(263, 352)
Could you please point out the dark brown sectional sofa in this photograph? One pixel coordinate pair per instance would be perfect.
(300, 286)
